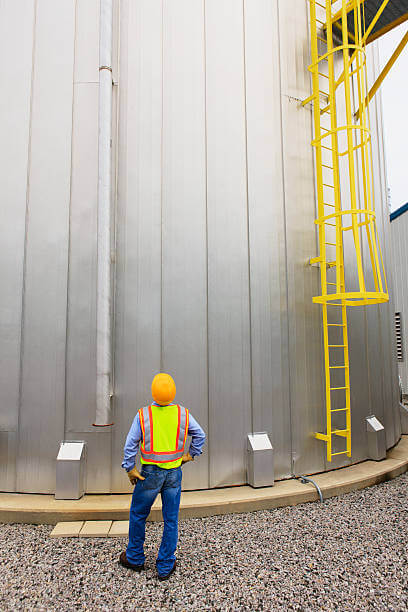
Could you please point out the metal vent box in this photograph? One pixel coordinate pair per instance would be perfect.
(260, 468)
(70, 470)
(375, 439)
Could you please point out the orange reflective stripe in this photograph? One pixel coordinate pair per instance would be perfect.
(153, 452)
(164, 460)
(185, 433)
(151, 428)
(141, 419)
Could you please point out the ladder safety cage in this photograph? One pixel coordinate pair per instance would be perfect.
(345, 197)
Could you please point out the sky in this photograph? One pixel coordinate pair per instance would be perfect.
(394, 92)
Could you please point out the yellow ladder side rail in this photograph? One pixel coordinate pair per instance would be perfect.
(335, 157)
(327, 381)
(317, 135)
(347, 376)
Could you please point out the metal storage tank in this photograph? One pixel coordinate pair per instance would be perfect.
(214, 210)
(399, 235)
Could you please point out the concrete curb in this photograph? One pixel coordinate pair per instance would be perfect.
(44, 509)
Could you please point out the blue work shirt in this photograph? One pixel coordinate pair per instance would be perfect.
(134, 438)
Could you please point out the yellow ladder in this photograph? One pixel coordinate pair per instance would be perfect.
(340, 206)
(335, 342)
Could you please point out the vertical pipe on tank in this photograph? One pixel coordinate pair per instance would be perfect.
(103, 300)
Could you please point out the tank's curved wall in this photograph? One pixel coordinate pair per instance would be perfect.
(215, 209)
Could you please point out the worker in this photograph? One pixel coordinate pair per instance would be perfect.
(161, 431)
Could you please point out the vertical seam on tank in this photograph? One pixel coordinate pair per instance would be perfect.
(206, 235)
(285, 240)
(247, 219)
(115, 233)
(22, 330)
(161, 186)
(69, 221)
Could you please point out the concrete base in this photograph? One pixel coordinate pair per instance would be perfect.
(45, 509)
(95, 529)
(67, 530)
(91, 529)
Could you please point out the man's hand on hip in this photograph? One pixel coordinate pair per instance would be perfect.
(187, 457)
(134, 476)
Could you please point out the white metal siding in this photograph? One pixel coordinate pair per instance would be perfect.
(399, 233)
(215, 225)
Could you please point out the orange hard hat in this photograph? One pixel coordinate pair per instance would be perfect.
(163, 389)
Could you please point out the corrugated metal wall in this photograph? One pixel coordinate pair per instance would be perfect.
(215, 208)
(399, 234)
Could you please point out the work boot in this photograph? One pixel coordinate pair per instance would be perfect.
(167, 576)
(124, 561)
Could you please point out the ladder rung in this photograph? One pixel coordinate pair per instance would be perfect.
(331, 224)
(343, 153)
(336, 345)
(308, 99)
(339, 409)
(326, 204)
(327, 185)
(326, 166)
(328, 148)
(342, 367)
(323, 75)
(331, 264)
(331, 243)
(341, 453)
(337, 388)
(334, 284)
(336, 324)
(340, 432)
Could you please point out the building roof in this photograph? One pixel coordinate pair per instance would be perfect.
(400, 211)
(395, 13)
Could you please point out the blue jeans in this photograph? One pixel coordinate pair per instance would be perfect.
(168, 483)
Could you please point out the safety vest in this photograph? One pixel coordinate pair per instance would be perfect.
(164, 430)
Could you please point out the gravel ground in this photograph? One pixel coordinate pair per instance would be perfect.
(348, 554)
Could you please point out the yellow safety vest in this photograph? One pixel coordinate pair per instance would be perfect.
(164, 430)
